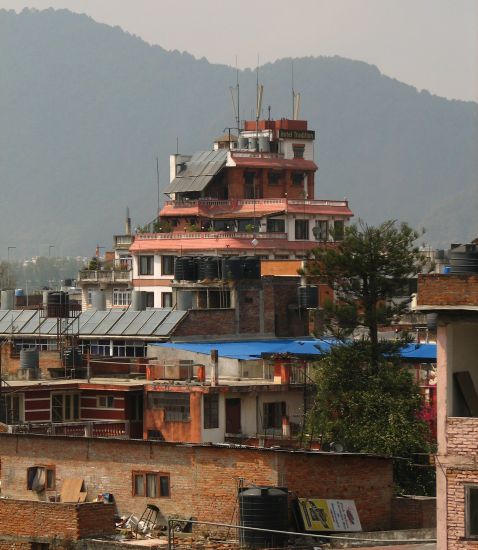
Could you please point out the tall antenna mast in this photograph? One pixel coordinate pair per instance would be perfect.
(237, 86)
(157, 179)
(292, 84)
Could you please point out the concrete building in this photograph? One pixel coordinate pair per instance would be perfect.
(254, 196)
(454, 298)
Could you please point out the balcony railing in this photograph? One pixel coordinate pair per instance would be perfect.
(210, 235)
(234, 203)
(106, 276)
(104, 428)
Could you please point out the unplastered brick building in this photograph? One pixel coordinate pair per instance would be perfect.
(193, 480)
(454, 298)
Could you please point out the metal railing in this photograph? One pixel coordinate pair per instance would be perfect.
(107, 276)
(209, 203)
(211, 235)
(90, 428)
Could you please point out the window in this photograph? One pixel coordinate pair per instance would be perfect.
(136, 408)
(146, 265)
(40, 478)
(121, 297)
(297, 178)
(149, 299)
(321, 230)
(275, 226)
(167, 299)
(105, 401)
(211, 411)
(298, 151)
(65, 407)
(302, 230)
(471, 511)
(11, 408)
(249, 185)
(224, 225)
(273, 413)
(175, 405)
(150, 484)
(248, 225)
(273, 178)
(89, 296)
(167, 265)
(339, 230)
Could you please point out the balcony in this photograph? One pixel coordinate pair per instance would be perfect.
(105, 276)
(123, 241)
(103, 428)
(210, 235)
(283, 203)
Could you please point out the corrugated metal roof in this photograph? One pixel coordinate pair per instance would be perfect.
(198, 172)
(150, 323)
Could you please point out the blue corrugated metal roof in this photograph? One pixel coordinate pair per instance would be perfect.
(255, 349)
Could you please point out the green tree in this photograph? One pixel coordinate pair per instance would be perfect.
(372, 407)
(366, 398)
(366, 270)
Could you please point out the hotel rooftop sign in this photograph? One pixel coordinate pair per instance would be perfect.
(297, 134)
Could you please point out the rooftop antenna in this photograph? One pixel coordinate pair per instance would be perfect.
(235, 106)
(157, 179)
(292, 85)
(259, 92)
(295, 97)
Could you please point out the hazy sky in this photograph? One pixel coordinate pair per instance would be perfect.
(431, 44)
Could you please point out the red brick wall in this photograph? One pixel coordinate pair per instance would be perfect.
(203, 479)
(11, 363)
(201, 322)
(23, 518)
(452, 289)
(414, 512)
(367, 481)
(461, 436)
(456, 481)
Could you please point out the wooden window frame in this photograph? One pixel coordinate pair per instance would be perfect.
(211, 416)
(144, 473)
(106, 397)
(468, 488)
(48, 468)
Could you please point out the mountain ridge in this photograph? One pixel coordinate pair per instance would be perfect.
(88, 107)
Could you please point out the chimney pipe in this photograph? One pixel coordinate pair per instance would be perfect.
(215, 367)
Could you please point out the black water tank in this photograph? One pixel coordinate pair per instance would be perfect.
(232, 268)
(209, 268)
(72, 357)
(58, 304)
(252, 267)
(432, 319)
(265, 508)
(308, 296)
(185, 269)
(464, 258)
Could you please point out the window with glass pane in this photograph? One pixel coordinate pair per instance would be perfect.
(121, 297)
(146, 265)
(150, 484)
(275, 226)
(298, 151)
(211, 411)
(471, 511)
(339, 228)
(167, 265)
(297, 178)
(65, 407)
(273, 413)
(273, 178)
(139, 485)
(11, 408)
(302, 230)
(167, 299)
(321, 230)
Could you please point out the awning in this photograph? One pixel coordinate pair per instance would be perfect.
(198, 171)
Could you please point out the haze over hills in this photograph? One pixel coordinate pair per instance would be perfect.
(86, 108)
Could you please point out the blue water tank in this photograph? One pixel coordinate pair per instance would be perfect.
(19, 292)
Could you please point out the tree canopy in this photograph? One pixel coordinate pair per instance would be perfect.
(366, 270)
